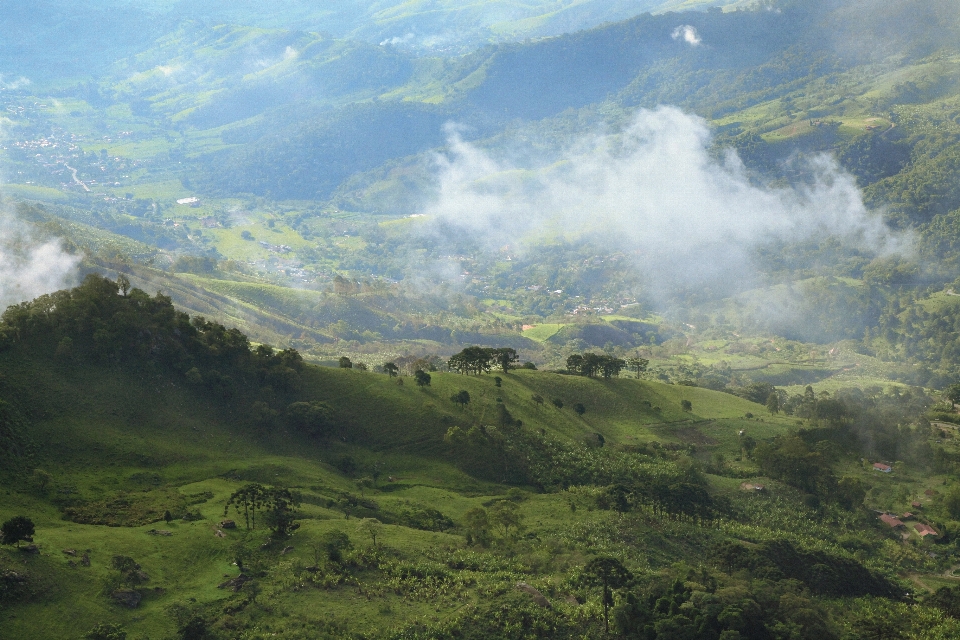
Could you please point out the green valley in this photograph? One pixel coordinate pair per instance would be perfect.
(410, 320)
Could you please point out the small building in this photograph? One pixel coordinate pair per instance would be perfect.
(192, 202)
(926, 532)
(879, 466)
(891, 521)
(916, 505)
(907, 516)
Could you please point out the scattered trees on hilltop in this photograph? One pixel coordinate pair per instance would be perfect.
(277, 502)
(479, 360)
(592, 364)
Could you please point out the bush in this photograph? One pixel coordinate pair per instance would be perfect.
(17, 529)
(104, 631)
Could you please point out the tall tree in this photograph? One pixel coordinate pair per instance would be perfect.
(372, 527)
(638, 364)
(609, 574)
(505, 357)
(247, 500)
(280, 504)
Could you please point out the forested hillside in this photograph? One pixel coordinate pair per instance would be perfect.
(249, 493)
(568, 319)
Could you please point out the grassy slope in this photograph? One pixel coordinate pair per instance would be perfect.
(105, 435)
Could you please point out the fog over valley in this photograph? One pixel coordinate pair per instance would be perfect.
(554, 319)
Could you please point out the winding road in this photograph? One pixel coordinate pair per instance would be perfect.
(76, 179)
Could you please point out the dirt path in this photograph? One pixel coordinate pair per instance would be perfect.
(915, 579)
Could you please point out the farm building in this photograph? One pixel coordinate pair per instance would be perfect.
(891, 521)
(926, 532)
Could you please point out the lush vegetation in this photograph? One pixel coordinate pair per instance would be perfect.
(410, 515)
(537, 439)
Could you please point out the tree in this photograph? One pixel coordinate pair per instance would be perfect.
(504, 357)
(333, 544)
(609, 574)
(638, 364)
(558, 403)
(947, 599)
(472, 360)
(194, 629)
(497, 381)
(686, 405)
(17, 529)
(422, 378)
(610, 367)
(506, 515)
(345, 362)
(372, 527)
(773, 403)
(477, 523)
(461, 397)
(391, 369)
(364, 483)
(247, 500)
(280, 516)
(579, 409)
(850, 493)
(537, 400)
(951, 503)
(311, 418)
(953, 393)
(123, 284)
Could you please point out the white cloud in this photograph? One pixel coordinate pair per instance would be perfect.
(656, 192)
(397, 40)
(30, 267)
(686, 33)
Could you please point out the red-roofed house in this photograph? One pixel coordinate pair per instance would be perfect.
(916, 505)
(879, 466)
(891, 521)
(926, 532)
(906, 516)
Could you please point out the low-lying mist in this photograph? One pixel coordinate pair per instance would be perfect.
(30, 266)
(656, 192)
